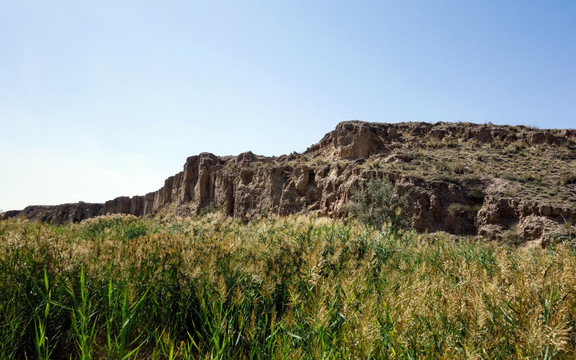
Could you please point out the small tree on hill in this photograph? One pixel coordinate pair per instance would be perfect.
(375, 203)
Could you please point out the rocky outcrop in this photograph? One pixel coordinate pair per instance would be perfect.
(57, 214)
(360, 140)
(321, 180)
(527, 218)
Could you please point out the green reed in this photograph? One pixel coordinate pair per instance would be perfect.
(119, 287)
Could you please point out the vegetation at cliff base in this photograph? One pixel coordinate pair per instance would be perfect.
(120, 287)
(375, 203)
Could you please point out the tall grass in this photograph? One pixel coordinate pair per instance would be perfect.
(118, 287)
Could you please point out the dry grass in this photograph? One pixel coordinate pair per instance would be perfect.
(535, 170)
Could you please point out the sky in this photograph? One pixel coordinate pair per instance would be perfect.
(100, 99)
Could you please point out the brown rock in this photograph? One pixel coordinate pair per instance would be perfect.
(322, 179)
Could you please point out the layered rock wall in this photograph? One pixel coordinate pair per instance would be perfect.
(322, 179)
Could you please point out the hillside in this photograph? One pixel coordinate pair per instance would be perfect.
(509, 182)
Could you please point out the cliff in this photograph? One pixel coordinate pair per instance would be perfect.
(508, 182)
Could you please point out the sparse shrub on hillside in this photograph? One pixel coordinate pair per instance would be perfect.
(476, 194)
(452, 143)
(568, 178)
(515, 148)
(509, 176)
(450, 167)
(462, 209)
(208, 209)
(434, 144)
(511, 237)
(496, 144)
(445, 177)
(458, 169)
(373, 164)
(376, 203)
(442, 166)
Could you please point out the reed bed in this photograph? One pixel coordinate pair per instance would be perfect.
(120, 287)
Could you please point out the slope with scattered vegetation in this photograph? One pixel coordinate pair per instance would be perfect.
(487, 180)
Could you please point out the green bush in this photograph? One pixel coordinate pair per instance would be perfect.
(476, 194)
(208, 209)
(376, 204)
(461, 209)
(115, 225)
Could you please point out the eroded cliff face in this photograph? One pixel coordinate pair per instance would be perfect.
(454, 174)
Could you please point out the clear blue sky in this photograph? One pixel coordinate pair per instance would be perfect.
(100, 99)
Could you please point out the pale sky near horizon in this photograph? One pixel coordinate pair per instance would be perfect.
(100, 99)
